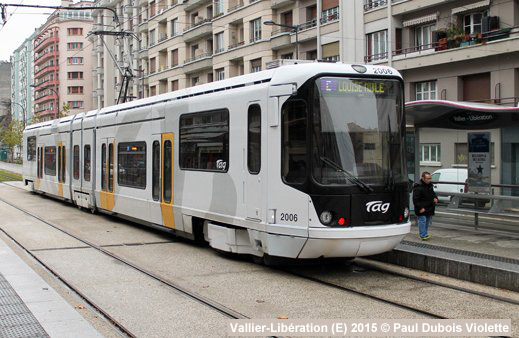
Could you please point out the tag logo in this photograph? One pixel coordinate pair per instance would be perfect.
(220, 164)
(377, 206)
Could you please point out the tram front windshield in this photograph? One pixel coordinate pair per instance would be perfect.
(357, 132)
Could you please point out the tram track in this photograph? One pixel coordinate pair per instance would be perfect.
(364, 294)
(220, 307)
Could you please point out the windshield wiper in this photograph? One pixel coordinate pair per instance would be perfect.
(349, 175)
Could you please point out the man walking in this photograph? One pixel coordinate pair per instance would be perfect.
(425, 200)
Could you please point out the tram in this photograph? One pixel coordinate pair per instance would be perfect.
(301, 161)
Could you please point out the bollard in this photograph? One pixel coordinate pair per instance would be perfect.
(476, 220)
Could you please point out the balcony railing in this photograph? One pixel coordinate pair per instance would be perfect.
(238, 5)
(371, 4)
(43, 57)
(163, 36)
(45, 98)
(46, 41)
(219, 50)
(236, 45)
(330, 18)
(47, 69)
(446, 44)
(196, 24)
(46, 84)
(199, 56)
(281, 31)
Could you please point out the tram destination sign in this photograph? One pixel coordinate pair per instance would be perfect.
(338, 86)
(479, 162)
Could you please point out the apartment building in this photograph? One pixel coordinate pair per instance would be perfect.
(456, 50)
(62, 62)
(5, 88)
(22, 77)
(181, 44)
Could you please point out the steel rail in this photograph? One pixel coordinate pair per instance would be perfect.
(190, 294)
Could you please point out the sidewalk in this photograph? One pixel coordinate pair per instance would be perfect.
(29, 307)
(15, 168)
(484, 256)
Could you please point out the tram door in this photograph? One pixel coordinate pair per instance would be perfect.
(107, 173)
(162, 187)
(39, 171)
(253, 172)
(167, 174)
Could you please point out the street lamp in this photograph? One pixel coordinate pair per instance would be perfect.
(55, 92)
(23, 110)
(295, 28)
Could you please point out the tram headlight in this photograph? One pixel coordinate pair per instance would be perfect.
(326, 217)
(406, 213)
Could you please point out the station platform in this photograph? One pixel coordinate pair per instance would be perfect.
(485, 256)
(29, 307)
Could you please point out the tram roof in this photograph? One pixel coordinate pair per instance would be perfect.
(459, 114)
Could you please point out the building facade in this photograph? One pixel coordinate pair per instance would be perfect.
(180, 44)
(62, 62)
(5, 87)
(456, 50)
(22, 77)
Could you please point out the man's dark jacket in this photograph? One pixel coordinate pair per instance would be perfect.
(423, 197)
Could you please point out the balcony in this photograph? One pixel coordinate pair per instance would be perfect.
(236, 45)
(45, 56)
(200, 29)
(46, 112)
(201, 61)
(235, 6)
(454, 49)
(45, 42)
(192, 4)
(45, 98)
(143, 27)
(46, 84)
(47, 69)
(163, 37)
(281, 38)
(281, 3)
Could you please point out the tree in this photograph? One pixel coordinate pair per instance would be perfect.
(65, 111)
(12, 135)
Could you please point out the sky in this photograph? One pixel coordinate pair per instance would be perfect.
(21, 23)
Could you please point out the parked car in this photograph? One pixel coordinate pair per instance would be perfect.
(458, 176)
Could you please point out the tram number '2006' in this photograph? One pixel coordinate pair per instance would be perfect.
(383, 71)
(288, 217)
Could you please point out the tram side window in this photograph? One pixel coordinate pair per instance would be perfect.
(131, 160)
(50, 161)
(254, 139)
(111, 167)
(39, 162)
(31, 148)
(63, 167)
(86, 163)
(204, 141)
(167, 171)
(76, 162)
(59, 163)
(294, 140)
(103, 167)
(156, 171)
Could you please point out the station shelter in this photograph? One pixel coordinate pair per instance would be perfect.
(436, 138)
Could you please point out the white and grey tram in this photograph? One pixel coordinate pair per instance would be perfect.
(300, 161)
